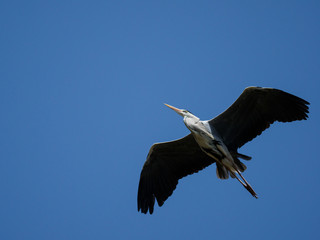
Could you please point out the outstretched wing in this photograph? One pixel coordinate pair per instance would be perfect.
(166, 163)
(254, 111)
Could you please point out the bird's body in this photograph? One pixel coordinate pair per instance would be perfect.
(209, 141)
(212, 144)
(216, 140)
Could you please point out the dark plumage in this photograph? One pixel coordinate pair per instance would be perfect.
(254, 111)
(246, 118)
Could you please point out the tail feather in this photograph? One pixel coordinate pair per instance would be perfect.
(222, 172)
(240, 166)
(242, 156)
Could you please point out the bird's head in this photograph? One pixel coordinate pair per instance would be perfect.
(182, 112)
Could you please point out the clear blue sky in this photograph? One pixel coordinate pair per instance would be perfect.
(82, 90)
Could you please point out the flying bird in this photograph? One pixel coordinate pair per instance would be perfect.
(215, 141)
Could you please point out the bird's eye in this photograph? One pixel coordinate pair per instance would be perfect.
(185, 111)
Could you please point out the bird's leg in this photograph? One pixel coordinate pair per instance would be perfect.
(247, 185)
(234, 175)
(229, 157)
(242, 177)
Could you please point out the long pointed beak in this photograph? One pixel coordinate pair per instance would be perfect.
(177, 110)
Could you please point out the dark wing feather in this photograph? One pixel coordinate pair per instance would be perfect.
(166, 163)
(254, 111)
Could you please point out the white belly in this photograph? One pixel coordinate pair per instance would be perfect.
(220, 152)
(208, 140)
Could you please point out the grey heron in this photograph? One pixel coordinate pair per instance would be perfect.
(215, 141)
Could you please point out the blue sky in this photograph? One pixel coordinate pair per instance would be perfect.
(82, 90)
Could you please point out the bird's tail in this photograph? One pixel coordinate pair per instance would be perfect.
(224, 171)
